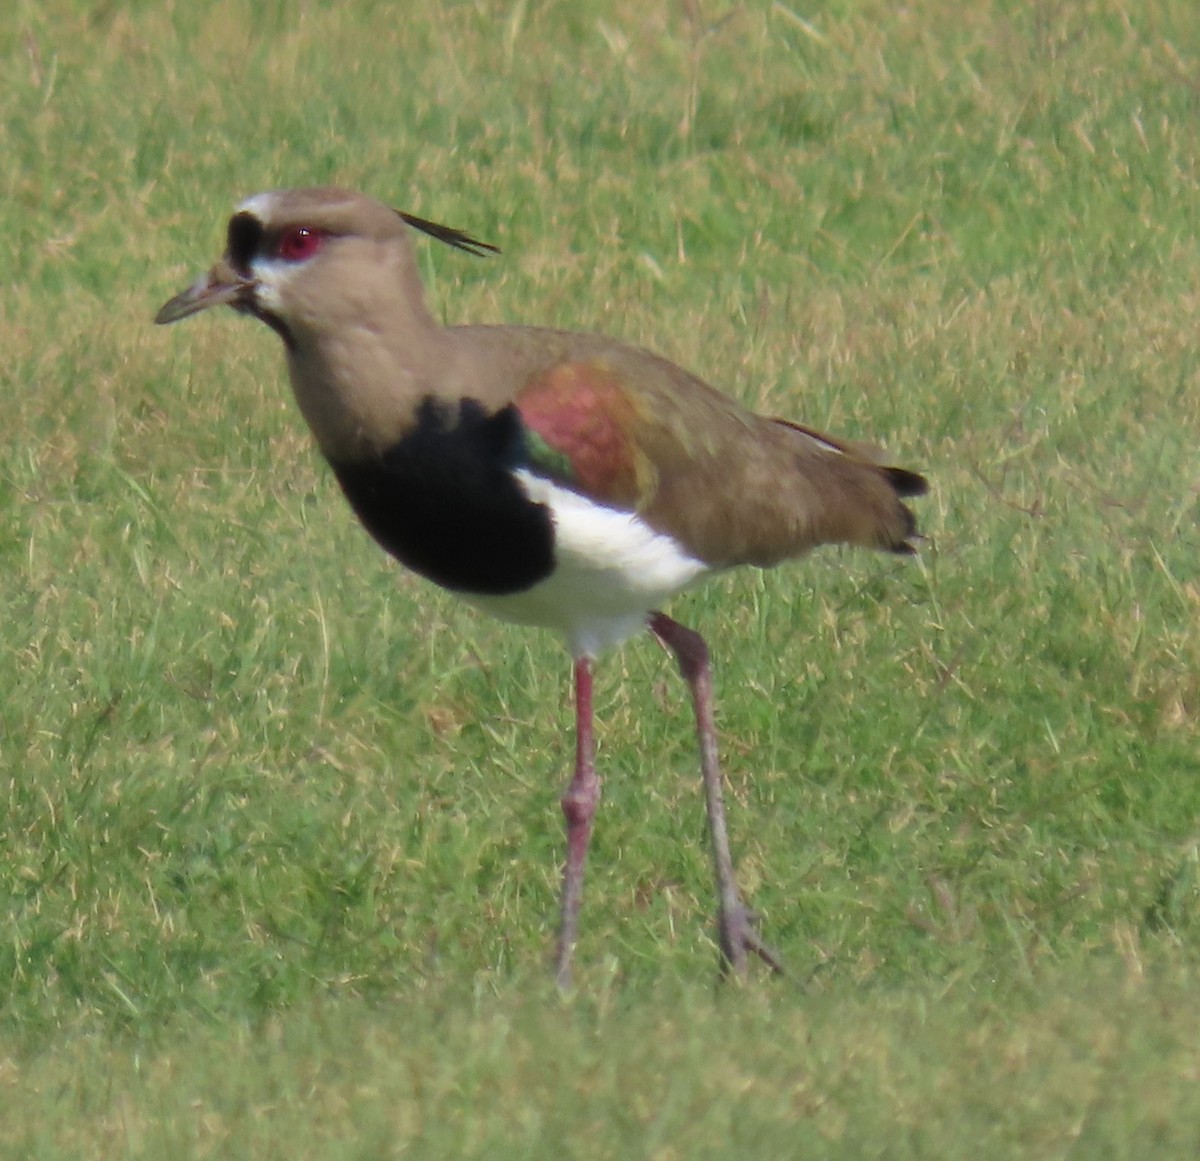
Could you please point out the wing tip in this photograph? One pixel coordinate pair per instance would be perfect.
(906, 483)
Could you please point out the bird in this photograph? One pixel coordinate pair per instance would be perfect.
(563, 480)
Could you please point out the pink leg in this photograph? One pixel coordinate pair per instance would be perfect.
(735, 931)
(579, 807)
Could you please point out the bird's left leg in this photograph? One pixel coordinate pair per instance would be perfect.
(735, 929)
(579, 808)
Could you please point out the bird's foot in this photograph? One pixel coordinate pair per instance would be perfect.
(738, 936)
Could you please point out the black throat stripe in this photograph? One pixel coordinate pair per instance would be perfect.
(443, 501)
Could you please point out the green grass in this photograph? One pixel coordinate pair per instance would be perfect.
(279, 834)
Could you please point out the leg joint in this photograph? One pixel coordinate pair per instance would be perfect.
(579, 802)
(686, 644)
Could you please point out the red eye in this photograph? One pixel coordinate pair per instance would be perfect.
(299, 243)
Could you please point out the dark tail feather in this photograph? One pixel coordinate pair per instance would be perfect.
(905, 546)
(906, 483)
(450, 236)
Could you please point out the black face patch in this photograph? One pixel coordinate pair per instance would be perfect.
(244, 241)
(444, 502)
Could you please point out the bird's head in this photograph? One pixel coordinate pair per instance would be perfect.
(298, 257)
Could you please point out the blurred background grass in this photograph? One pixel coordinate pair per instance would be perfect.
(280, 831)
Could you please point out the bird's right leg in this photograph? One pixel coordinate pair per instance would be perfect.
(735, 928)
(579, 808)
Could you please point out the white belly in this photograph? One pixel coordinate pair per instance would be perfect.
(611, 569)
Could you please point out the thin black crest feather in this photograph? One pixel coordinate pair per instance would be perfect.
(450, 236)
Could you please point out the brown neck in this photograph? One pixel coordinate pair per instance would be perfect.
(360, 368)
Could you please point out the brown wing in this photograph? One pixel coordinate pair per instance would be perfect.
(775, 490)
(634, 431)
(738, 488)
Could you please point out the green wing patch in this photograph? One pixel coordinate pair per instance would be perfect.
(582, 428)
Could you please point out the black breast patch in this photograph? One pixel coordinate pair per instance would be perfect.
(444, 502)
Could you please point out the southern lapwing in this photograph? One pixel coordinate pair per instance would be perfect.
(555, 479)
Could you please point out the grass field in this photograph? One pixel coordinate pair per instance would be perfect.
(279, 838)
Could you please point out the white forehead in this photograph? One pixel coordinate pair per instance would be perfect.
(260, 205)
